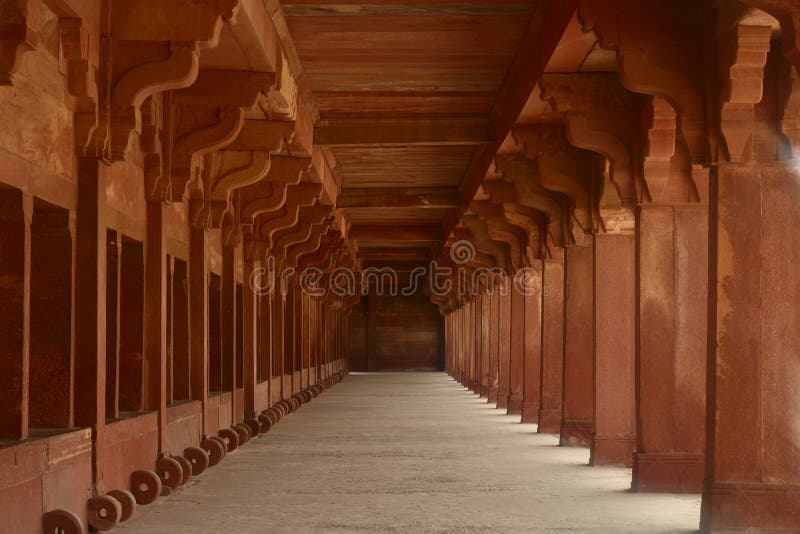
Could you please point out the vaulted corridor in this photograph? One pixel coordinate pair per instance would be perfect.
(411, 453)
(214, 212)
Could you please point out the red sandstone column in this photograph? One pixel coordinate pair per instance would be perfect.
(477, 344)
(517, 350)
(16, 211)
(551, 410)
(576, 427)
(614, 434)
(494, 344)
(277, 343)
(532, 349)
(470, 342)
(672, 286)
(198, 316)
(250, 329)
(753, 429)
(300, 334)
(486, 357)
(504, 341)
(457, 345)
(113, 291)
(288, 341)
(228, 325)
(90, 307)
(264, 342)
(468, 356)
(155, 319)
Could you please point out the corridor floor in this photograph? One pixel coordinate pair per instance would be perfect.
(409, 453)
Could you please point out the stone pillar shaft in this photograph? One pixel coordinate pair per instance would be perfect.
(551, 407)
(614, 430)
(576, 427)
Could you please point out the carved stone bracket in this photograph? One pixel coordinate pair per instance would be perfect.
(657, 46)
(522, 185)
(140, 77)
(149, 54)
(602, 117)
(476, 231)
(16, 37)
(533, 222)
(744, 53)
(564, 169)
(82, 89)
(660, 148)
(304, 194)
(501, 230)
(270, 194)
(787, 12)
(209, 116)
(294, 252)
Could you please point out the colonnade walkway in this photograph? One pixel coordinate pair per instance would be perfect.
(409, 453)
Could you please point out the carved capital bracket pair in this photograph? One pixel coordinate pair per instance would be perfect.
(565, 169)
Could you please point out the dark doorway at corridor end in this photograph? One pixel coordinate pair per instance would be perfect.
(396, 333)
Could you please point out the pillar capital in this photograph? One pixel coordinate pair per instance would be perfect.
(656, 45)
(16, 37)
(522, 184)
(787, 12)
(743, 51)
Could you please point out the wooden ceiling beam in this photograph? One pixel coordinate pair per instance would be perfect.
(352, 132)
(540, 42)
(409, 197)
(398, 9)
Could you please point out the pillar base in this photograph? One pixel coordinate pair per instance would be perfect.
(484, 391)
(476, 387)
(492, 396)
(502, 402)
(576, 433)
(612, 450)
(668, 472)
(733, 507)
(514, 405)
(530, 412)
(549, 421)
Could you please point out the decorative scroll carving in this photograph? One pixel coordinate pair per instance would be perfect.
(310, 245)
(228, 170)
(304, 194)
(270, 194)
